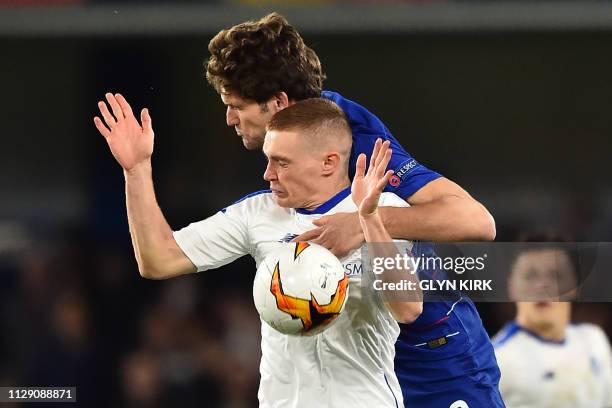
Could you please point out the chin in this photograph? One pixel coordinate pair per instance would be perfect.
(281, 202)
(252, 144)
(248, 145)
(285, 203)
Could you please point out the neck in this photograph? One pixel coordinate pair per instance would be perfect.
(325, 193)
(554, 331)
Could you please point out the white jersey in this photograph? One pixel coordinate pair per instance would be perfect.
(538, 373)
(348, 365)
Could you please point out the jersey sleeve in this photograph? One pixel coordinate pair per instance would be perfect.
(409, 175)
(217, 240)
(510, 371)
(602, 344)
(392, 200)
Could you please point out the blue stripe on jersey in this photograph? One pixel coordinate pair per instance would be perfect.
(512, 328)
(506, 334)
(253, 194)
(409, 175)
(328, 205)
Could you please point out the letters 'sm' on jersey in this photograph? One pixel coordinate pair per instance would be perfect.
(348, 365)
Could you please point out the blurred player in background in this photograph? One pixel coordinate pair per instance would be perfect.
(308, 148)
(445, 357)
(546, 361)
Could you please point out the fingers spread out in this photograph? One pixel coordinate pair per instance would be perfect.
(383, 181)
(109, 119)
(101, 128)
(121, 109)
(374, 156)
(360, 165)
(381, 155)
(145, 119)
(125, 106)
(110, 98)
(382, 166)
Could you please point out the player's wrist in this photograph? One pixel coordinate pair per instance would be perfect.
(138, 169)
(370, 219)
(368, 213)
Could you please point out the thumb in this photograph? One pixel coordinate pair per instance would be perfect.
(145, 118)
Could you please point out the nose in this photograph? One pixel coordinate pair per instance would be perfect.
(269, 174)
(231, 117)
(546, 288)
(546, 281)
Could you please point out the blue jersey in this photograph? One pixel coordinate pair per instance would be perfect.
(409, 175)
(444, 358)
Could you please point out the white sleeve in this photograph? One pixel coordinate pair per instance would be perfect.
(217, 240)
(392, 200)
(508, 381)
(606, 354)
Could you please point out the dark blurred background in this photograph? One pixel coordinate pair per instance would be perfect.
(510, 100)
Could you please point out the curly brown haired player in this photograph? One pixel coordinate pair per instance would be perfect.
(257, 59)
(261, 67)
(258, 68)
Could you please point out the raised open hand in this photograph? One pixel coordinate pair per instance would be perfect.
(367, 187)
(130, 143)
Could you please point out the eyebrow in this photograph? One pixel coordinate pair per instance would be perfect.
(226, 98)
(283, 158)
(276, 157)
(230, 103)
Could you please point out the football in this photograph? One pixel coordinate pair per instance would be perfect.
(300, 289)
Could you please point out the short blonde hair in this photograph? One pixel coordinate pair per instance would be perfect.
(320, 121)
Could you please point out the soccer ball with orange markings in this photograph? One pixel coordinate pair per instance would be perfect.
(300, 289)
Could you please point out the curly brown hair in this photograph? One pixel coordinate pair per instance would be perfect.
(257, 59)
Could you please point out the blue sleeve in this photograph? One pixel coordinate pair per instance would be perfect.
(409, 175)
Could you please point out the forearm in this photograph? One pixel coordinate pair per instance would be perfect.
(405, 306)
(374, 230)
(450, 218)
(156, 251)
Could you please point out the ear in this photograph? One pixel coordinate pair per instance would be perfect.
(331, 163)
(280, 101)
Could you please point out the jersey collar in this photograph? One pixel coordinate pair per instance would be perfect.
(328, 205)
(538, 337)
